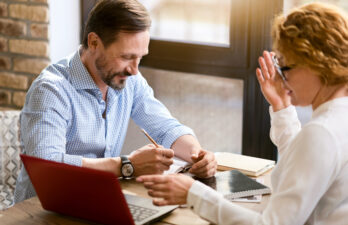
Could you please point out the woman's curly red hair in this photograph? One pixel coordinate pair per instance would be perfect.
(315, 35)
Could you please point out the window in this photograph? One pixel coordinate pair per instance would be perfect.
(195, 21)
(198, 36)
(288, 4)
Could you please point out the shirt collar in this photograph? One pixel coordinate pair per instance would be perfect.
(80, 77)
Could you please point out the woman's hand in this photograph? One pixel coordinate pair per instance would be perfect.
(271, 84)
(167, 189)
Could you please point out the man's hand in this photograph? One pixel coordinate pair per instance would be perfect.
(151, 160)
(171, 189)
(204, 164)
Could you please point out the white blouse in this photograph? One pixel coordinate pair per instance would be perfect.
(310, 180)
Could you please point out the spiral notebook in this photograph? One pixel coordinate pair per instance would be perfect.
(234, 184)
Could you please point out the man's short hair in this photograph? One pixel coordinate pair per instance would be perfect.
(109, 17)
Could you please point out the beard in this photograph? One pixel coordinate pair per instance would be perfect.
(108, 76)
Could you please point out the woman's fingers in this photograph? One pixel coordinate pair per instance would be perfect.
(161, 202)
(259, 76)
(158, 194)
(269, 63)
(156, 187)
(264, 68)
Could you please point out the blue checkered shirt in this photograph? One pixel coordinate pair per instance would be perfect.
(62, 118)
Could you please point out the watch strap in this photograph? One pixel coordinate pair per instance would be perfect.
(125, 160)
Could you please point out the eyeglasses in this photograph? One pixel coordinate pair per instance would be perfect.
(279, 69)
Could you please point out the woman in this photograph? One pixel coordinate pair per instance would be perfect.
(310, 181)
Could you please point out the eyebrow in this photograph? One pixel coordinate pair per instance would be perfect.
(282, 64)
(133, 55)
(281, 61)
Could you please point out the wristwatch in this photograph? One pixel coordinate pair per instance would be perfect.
(127, 168)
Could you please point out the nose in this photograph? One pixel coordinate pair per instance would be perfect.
(132, 68)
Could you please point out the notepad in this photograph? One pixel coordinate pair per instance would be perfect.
(248, 165)
(178, 166)
(234, 184)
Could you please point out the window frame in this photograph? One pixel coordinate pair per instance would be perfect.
(204, 59)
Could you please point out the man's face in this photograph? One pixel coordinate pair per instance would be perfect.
(121, 59)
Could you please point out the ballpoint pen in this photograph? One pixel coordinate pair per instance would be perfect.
(150, 138)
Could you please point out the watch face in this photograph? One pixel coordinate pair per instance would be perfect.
(127, 170)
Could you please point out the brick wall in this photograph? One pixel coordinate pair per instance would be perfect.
(24, 49)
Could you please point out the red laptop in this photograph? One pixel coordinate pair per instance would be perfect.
(88, 194)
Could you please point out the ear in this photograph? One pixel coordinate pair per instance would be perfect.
(93, 41)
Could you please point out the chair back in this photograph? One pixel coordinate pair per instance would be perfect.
(10, 149)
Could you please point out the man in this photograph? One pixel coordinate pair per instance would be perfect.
(77, 111)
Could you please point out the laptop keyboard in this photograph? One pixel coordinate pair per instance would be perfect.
(140, 213)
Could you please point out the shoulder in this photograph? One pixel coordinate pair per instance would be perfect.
(138, 84)
(50, 87)
(56, 74)
(317, 143)
(330, 123)
(320, 131)
(136, 80)
(321, 136)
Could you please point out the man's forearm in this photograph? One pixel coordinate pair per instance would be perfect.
(112, 165)
(185, 146)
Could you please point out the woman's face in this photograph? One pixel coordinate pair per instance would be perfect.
(302, 84)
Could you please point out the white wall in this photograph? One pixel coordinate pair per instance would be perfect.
(64, 29)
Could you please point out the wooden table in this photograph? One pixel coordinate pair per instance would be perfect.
(31, 212)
